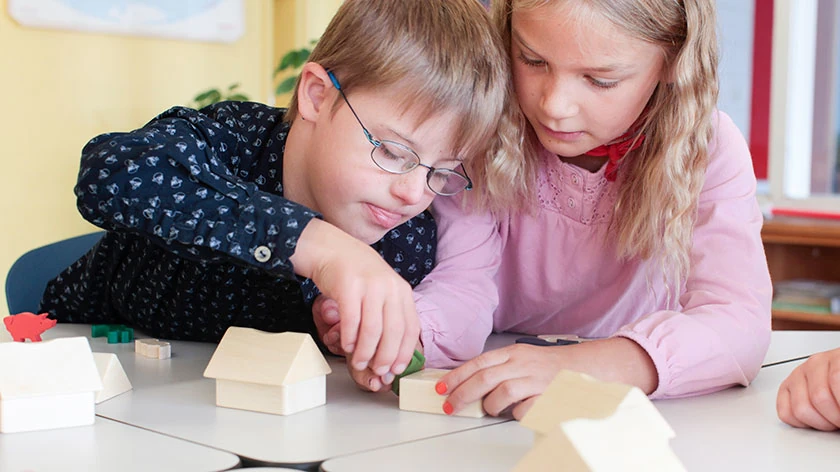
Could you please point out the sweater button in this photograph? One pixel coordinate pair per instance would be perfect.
(575, 179)
(262, 254)
(571, 202)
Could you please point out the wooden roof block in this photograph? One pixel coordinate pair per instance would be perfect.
(250, 355)
(573, 395)
(55, 367)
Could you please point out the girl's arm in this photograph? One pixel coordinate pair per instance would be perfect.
(721, 334)
(462, 283)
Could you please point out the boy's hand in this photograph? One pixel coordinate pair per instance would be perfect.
(379, 326)
(368, 380)
(326, 318)
(810, 396)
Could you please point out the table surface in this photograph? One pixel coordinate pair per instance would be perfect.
(107, 446)
(172, 397)
(788, 345)
(733, 430)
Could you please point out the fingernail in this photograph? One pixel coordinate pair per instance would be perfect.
(360, 365)
(441, 389)
(332, 314)
(399, 368)
(381, 370)
(388, 378)
(330, 338)
(349, 348)
(374, 384)
(447, 408)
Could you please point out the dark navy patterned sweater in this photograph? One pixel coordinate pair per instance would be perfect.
(198, 233)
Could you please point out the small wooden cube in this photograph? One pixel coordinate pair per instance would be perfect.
(417, 393)
(153, 348)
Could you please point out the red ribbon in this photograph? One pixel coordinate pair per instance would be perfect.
(616, 151)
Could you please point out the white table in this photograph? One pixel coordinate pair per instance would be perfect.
(734, 430)
(172, 397)
(106, 446)
(789, 345)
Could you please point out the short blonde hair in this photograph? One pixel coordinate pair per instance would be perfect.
(660, 187)
(445, 55)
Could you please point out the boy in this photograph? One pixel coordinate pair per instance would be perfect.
(234, 214)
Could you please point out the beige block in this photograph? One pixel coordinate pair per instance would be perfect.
(417, 393)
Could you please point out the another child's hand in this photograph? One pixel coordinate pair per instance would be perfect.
(810, 396)
(326, 318)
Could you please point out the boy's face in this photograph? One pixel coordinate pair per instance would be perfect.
(581, 81)
(344, 184)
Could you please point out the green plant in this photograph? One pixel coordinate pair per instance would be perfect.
(209, 97)
(290, 65)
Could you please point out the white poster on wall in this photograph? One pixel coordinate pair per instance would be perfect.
(197, 20)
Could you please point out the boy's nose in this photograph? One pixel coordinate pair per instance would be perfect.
(558, 99)
(410, 188)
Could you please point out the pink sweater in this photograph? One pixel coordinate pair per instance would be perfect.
(550, 273)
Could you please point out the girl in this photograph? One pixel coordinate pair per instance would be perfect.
(630, 219)
(641, 228)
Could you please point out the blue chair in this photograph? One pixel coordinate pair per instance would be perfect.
(29, 275)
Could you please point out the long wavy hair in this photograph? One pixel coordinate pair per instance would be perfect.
(655, 211)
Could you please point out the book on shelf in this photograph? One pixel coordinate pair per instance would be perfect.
(807, 295)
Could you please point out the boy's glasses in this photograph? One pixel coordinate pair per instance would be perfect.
(398, 158)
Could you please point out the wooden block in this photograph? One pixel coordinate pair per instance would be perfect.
(113, 377)
(589, 425)
(278, 373)
(47, 385)
(153, 348)
(417, 393)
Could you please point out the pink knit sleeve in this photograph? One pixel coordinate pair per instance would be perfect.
(456, 301)
(721, 334)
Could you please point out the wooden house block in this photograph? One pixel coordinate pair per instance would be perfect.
(153, 348)
(112, 375)
(417, 393)
(587, 425)
(47, 385)
(279, 373)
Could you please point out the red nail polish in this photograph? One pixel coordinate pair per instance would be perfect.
(440, 388)
(447, 408)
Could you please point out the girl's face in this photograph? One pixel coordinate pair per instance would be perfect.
(581, 81)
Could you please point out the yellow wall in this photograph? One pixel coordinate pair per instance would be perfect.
(61, 88)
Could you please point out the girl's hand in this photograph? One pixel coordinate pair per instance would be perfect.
(810, 396)
(515, 375)
(512, 375)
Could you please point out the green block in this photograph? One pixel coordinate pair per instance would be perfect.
(115, 333)
(418, 360)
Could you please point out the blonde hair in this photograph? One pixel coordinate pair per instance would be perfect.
(444, 55)
(656, 207)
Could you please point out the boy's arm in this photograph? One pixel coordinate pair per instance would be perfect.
(186, 181)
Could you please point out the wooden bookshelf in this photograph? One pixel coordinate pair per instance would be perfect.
(802, 248)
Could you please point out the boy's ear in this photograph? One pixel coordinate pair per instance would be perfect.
(312, 91)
